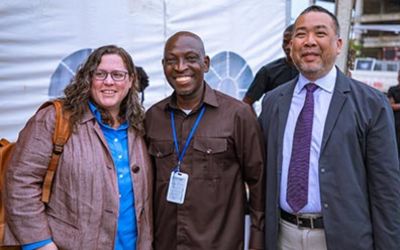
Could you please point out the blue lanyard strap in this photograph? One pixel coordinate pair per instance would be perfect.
(196, 124)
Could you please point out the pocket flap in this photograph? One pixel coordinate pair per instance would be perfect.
(161, 149)
(210, 145)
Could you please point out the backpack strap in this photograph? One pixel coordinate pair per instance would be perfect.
(61, 134)
(4, 142)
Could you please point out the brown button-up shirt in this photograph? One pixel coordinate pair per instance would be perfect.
(225, 153)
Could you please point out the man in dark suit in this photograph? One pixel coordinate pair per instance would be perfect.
(332, 171)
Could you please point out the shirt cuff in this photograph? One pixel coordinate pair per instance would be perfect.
(35, 245)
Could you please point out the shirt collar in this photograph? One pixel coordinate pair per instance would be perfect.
(97, 115)
(326, 83)
(209, 98)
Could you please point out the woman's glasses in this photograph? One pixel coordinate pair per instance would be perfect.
(116, 75)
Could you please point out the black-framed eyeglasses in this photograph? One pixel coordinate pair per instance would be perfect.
(116, 75)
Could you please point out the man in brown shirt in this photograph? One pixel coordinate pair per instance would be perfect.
(224, 153)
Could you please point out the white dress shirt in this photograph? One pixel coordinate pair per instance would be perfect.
(322, 100)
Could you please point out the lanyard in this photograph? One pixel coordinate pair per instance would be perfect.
(196, 124)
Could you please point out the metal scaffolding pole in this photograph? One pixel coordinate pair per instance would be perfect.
(343, 13)
(288, 12)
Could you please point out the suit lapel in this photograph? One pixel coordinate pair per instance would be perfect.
(133, 148)
(88, 116)
(284, 102)
(342, 86)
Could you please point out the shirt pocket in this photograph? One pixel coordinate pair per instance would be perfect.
(209, 157)
(165, 159)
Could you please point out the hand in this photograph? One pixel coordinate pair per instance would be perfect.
(50, 246)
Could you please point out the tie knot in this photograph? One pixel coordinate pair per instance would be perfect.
(311, 87)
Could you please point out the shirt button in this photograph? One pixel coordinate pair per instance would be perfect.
(209, 151)
(326, 205)
(119, 196)
(119, 156)
(116, 140)
(322, 170)
(121, 175)
(159, 154)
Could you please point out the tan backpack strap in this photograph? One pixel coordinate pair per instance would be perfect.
(4, 142)
(61, 134)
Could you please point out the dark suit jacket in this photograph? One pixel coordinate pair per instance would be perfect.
(358, 166)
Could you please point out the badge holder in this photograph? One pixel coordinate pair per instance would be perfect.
(177, 187)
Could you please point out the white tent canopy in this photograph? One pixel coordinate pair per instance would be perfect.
(43, 42)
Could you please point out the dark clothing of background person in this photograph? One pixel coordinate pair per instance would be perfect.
(274, 73)
(394, 96)
(226, 151)
(271, 76)
(143, 80)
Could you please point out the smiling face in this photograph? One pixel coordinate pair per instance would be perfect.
(315, 44)
(184, 65)
(108, 93)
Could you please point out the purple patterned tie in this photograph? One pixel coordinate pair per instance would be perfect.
(297, 187)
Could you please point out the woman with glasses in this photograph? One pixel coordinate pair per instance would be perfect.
(102, 190)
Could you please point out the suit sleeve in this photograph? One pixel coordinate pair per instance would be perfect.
(25, 212)
(384, 179)
(249, 145)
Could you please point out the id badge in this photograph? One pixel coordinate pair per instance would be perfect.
(177, 187)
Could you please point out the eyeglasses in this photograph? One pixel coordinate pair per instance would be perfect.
(116, 75)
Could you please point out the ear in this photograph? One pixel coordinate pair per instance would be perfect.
(132, 80)
(339, 45)
(206, 62)
(290, 46)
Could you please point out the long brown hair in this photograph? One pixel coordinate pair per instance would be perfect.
(77, 93)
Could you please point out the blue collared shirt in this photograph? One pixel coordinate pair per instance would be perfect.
(36, 245)
(322, 100)
(117, 140)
